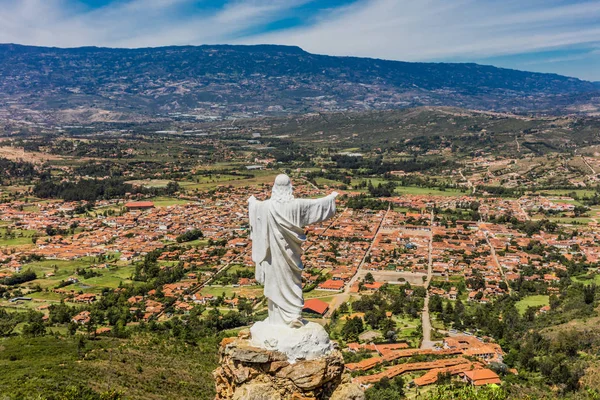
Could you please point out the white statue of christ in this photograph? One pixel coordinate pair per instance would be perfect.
(277, 232)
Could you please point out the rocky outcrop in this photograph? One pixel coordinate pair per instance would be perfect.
(251, 373)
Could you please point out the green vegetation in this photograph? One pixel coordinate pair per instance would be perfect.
(189, 236)
(142, 367)
(16, 237)
(166, 201)
(536, 301)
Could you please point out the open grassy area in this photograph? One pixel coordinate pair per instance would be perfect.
(167, 201)
(239, 267)
(428, 191)
(209, 181)
(316, 293)
(16, 237)
(566, 193)
(143, 367)
(567, 220)
(245, 291)
(202, 182)
(150, 183)
(532, 301)
(63, 269)
(107, 280)
(326, 182)
(587, 279)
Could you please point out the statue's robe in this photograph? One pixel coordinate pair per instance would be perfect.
(277, 234)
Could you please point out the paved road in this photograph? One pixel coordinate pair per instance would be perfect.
(497, 262)
(427, 343)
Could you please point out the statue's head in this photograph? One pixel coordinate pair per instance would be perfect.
(282, 189)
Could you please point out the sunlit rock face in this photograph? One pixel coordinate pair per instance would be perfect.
(248, 372)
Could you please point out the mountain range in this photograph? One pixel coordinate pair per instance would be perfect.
(214, 81)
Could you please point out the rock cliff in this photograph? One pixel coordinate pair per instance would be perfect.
(251, 373)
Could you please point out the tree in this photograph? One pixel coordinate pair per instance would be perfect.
(589, 293)
(344, 308)
(375, 317)
(369, 278)
(580, 210)
(7, 323)
(554, 302)
(244, 306)
(172, 187)
(189, 236)
(448, 313)
(386, 389)
(352, 328)
(34, 329)
(436, 304)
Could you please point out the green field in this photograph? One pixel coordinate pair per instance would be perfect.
(63, 269)
(109, 280)
(532, 301)
(567, 220)
(207, 182)
(428, 191)
(328, 182)
(167, 201)
(245, 291)
(210, 181)
(587, 280)
(150, 183)
(321, 294)
(16, 237)
(566, 193)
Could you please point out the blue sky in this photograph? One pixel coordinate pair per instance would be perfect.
(537, 35)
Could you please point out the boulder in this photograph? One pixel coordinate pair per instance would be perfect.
(257, 391)
(248, 372)
(348, 391)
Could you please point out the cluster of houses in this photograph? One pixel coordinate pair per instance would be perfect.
(454, 358)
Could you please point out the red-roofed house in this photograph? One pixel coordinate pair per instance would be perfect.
(331, 284)
(479, 377)
(139, 205)
(315, 306)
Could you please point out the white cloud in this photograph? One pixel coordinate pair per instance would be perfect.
(438, 29)
(131, 23)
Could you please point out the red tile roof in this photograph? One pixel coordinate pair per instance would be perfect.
(482, 376)
(140, 204)
(316, 305)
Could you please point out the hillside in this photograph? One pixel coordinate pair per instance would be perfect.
(102, 84)
(434, 128)
(143, 367)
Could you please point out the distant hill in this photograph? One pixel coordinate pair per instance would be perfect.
(213, 81)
